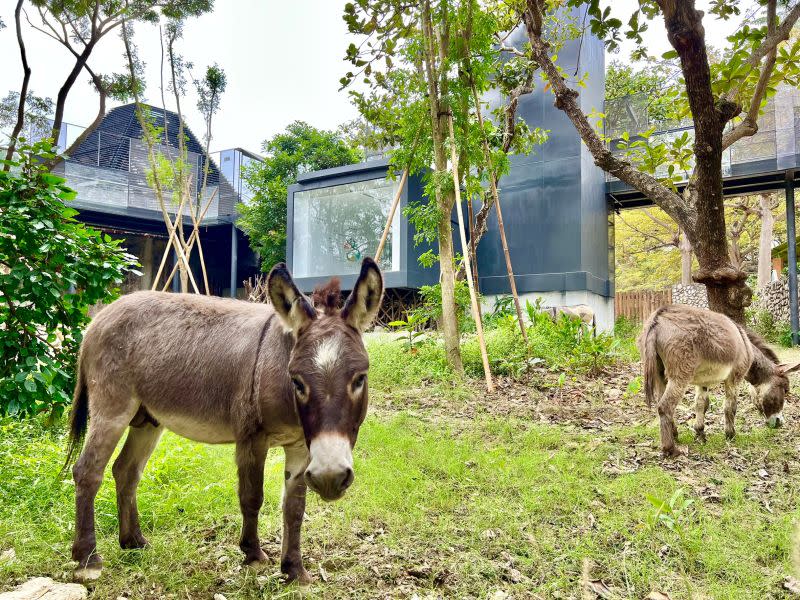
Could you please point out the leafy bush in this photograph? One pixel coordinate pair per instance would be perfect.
(431, 307)
(52, 269)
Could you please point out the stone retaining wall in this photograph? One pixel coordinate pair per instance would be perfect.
(693, 294)
(774, 298)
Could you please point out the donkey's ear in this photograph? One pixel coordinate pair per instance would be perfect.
(787, 369)
(365, 300)
(292, 306)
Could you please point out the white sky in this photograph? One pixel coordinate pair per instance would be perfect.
(283, 60)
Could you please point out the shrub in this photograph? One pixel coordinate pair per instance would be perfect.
(52, 269)
(431, 307)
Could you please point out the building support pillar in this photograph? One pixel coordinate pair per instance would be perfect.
(147, 263)
(234, 260)
(176, 278)
(791, 249)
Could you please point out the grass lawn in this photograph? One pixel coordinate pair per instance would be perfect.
(555, 497)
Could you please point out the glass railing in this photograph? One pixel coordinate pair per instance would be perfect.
(110, 170)
(778, 135)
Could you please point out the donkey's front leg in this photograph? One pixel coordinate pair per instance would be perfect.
(729, 408)
(250, 456)
(294, 507)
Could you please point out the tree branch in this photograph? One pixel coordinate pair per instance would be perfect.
(749, 125)
(23, 96)
(781, 33)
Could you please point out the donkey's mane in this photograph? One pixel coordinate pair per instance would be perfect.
(762, 345)
(326, 296)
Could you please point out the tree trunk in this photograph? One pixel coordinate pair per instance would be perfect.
(685, 249)
(444, 199)
(447, 278)
(63, 92)
(23, 94)
(765, 240)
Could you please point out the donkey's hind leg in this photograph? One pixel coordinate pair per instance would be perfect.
(730, 406)
(700, 408)
(666, 413)
(104, 433)
(127, 470)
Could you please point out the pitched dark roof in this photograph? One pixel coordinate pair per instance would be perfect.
(108, 146)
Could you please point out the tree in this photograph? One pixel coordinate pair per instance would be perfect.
(171, 174)
(52, 269)
(299, 149)
(79, 26)
(426, 65)
(723, 100)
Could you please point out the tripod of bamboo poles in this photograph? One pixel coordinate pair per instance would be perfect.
(476, 313)
(501, 227)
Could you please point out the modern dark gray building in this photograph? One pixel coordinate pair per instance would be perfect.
(554, 206)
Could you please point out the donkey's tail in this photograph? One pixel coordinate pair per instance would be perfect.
(650, 358)
(79, 418)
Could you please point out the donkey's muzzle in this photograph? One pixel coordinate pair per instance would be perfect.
(775, 421)
(330, 485)
(330, 471)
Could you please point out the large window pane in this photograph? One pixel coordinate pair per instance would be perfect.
(336, 226)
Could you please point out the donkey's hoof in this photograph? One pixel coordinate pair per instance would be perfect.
(729, 435)
(134, 542)
(89, 570)
(256, 558)
(700, 436)
(671, 452)
(299, 576)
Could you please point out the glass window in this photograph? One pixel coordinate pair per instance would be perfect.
(336, 226)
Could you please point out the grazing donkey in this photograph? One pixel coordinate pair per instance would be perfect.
(682, 345)
(221, 371)
(581, 312)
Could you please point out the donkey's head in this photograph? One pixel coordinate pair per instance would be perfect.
(772, 395)
(328, 369)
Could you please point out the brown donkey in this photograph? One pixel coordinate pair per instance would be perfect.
(682, 345)
(224, 371)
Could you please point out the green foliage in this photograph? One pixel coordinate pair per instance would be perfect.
(671, 513)
(654, 81)
(52, 269)
(410, 326)
(764, 324)
(431, 306)
(301, 148)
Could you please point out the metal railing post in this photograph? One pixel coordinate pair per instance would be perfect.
(791, 251)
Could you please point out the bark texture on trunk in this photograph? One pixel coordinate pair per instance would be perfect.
(444, 199)
(686, 259)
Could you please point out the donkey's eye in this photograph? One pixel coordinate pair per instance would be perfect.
(299, 386)
(359, 381)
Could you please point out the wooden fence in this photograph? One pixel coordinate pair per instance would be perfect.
(637, 306)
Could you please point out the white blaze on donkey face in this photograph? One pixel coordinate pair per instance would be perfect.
(330, 471)
(327, 354)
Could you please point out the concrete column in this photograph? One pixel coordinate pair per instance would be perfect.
(234, 260)
(147, 263)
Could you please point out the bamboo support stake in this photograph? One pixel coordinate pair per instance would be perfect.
(170, 243)
(476, 314)
(190, 242)
(496, 197)
(395, 203)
